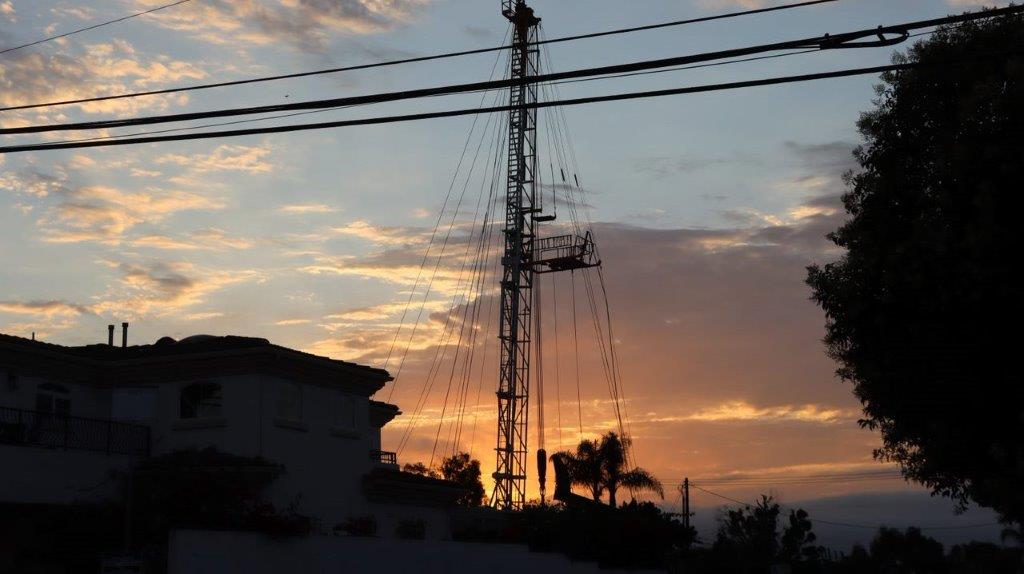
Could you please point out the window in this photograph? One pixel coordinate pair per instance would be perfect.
(201, 400)
(53, 399)
(133, 404)
(346, 412)
(289, 402)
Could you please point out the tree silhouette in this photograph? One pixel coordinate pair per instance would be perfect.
(893, 550)
(921, 307)
(465, 472)
(748, 538)
(600, 465)
(750, 534)
(420, 469)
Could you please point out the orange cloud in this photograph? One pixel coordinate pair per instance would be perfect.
(104, 214)
(249, 159)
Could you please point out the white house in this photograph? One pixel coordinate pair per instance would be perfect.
(70, 416)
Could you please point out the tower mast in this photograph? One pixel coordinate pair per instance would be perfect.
(517, 263)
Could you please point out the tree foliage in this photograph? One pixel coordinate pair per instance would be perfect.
(922, 307)
(749, 538)
(601, 466)
(210, 489)
(420, 469)
(465, 472)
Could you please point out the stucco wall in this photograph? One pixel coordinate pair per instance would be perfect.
(325, 458)
(86, 401)
(206, 552)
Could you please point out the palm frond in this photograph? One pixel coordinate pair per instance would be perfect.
(640, 479)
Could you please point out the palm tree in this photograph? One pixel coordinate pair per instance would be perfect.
(600, 466)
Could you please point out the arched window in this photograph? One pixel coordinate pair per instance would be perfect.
(53, 399)
(345, 412)
(289, 401)
(201, 400)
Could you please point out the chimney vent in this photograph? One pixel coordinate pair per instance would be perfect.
(124, 334)
(110, 335)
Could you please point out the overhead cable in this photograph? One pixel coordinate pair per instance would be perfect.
(85, 29)
(465, 112)
(391, 62)
(849, 39)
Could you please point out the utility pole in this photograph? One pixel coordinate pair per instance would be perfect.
(685, 491)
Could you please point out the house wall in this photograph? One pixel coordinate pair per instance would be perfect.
(325, 458)
(207, 552)
(437, 521)
(86, 400)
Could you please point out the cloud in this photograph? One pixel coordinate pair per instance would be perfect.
(828, 157)
(7, 11)
(304, 208)
(34, 183)
(204, 239)
(29, 77)
(292, 322)
(661, 167)
(381, 235)
(203, 316)
(970, 3)
(733, 411)
(163, 289)
(79, 12)
(105, 214)
(375, 313)
(306, 25)
(249, 159)
(42, 309)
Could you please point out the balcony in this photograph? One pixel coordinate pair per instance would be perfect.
(384, 458)
(20, 427)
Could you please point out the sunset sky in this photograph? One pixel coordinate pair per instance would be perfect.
(706, 208)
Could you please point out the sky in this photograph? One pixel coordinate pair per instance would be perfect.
(706, 208)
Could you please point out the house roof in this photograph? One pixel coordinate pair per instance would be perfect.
(198, 355)
(397, 487)
(382, 413)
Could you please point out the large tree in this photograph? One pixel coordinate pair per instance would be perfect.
(923, 311)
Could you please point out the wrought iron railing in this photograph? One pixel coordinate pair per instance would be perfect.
(383, 457)
(33, 428)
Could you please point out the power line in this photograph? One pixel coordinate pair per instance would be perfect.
(318, 111)
(722, 496)
(844, 40)
(683, 22)
(464, 112)
(86, 29)
(391, 62)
